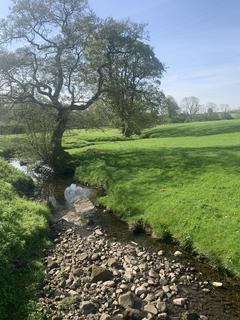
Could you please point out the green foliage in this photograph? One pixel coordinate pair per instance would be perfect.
(185, 184)
(23, 236)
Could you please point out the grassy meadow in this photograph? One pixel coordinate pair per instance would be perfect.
(182, 179)
(23, 236)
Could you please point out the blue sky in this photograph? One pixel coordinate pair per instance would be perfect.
(197, 40)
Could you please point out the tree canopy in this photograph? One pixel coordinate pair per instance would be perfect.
(66, 58)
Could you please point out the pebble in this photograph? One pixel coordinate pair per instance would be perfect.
(96, 278)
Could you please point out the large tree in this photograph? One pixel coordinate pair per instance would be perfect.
(133, 74)
(50, 67)
(66, 58)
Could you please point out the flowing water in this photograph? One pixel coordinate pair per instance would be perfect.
(61, 191)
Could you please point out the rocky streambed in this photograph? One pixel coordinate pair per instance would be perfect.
(92, 275)
(98, 269)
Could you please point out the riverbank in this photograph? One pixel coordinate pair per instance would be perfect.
(185, 184)
(23, 237)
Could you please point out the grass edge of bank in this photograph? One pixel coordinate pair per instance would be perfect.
(23, 237)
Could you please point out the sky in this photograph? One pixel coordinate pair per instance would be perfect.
(197, 40)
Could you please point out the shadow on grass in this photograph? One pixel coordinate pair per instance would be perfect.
(193, 129)
(143, 172)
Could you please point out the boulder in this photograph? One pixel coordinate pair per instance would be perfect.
(100, 274)
(88, 307)
(127, 300)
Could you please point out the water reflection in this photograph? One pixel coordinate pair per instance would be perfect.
(74, 193)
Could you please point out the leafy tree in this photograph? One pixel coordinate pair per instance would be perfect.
(66, 58)
(190, 106)
(51, 66)
(132, 74)
(171, 108)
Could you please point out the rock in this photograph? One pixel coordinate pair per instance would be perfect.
(141, 290)
(177, 253)
(217, 284)
(114, 263)
(163, 315)
(127, 300)
(88, 307)
(153, 274)
(52, 264)
(105, 316)
(160, 253)
(166, 289)
(133, 314)
(118, 317)
(150, 308)
(83, 256)
(161, 306)
(84, 207)
(95, 256)
(203, 317)
(180, 301)
(100, 274)
(98, 232)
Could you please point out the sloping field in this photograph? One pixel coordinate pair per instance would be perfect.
(183, 180)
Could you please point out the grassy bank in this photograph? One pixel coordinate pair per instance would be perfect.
(23, 229)
(181, 179)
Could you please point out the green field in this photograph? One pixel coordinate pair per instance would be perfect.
(23, 236)
(183, 180)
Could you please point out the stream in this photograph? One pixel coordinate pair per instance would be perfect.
(220, 304)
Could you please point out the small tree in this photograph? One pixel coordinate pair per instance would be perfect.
(190, 106)
(38, 133)
(171, 108)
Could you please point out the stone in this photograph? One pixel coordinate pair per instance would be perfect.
(217, 284)
(161, 306)
(114, 263)
(133, 314)
(84, 207)
(95, 256)
(177, 253)
(105, 316)
(180, 301)
(100, 274)
(160, 253)
(52, 264)
(166, 289)
(163, 315)
(153, 274)
(88, 307)
(141, 290)
(127, 300)
(150, 308)
(98, 232)
(83, 256)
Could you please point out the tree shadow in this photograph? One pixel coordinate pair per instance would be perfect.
(148, 170)
(193, 129)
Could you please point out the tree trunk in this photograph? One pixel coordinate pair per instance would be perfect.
(60, 158)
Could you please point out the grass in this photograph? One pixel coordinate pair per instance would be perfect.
(183, 180)
(23, 236)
